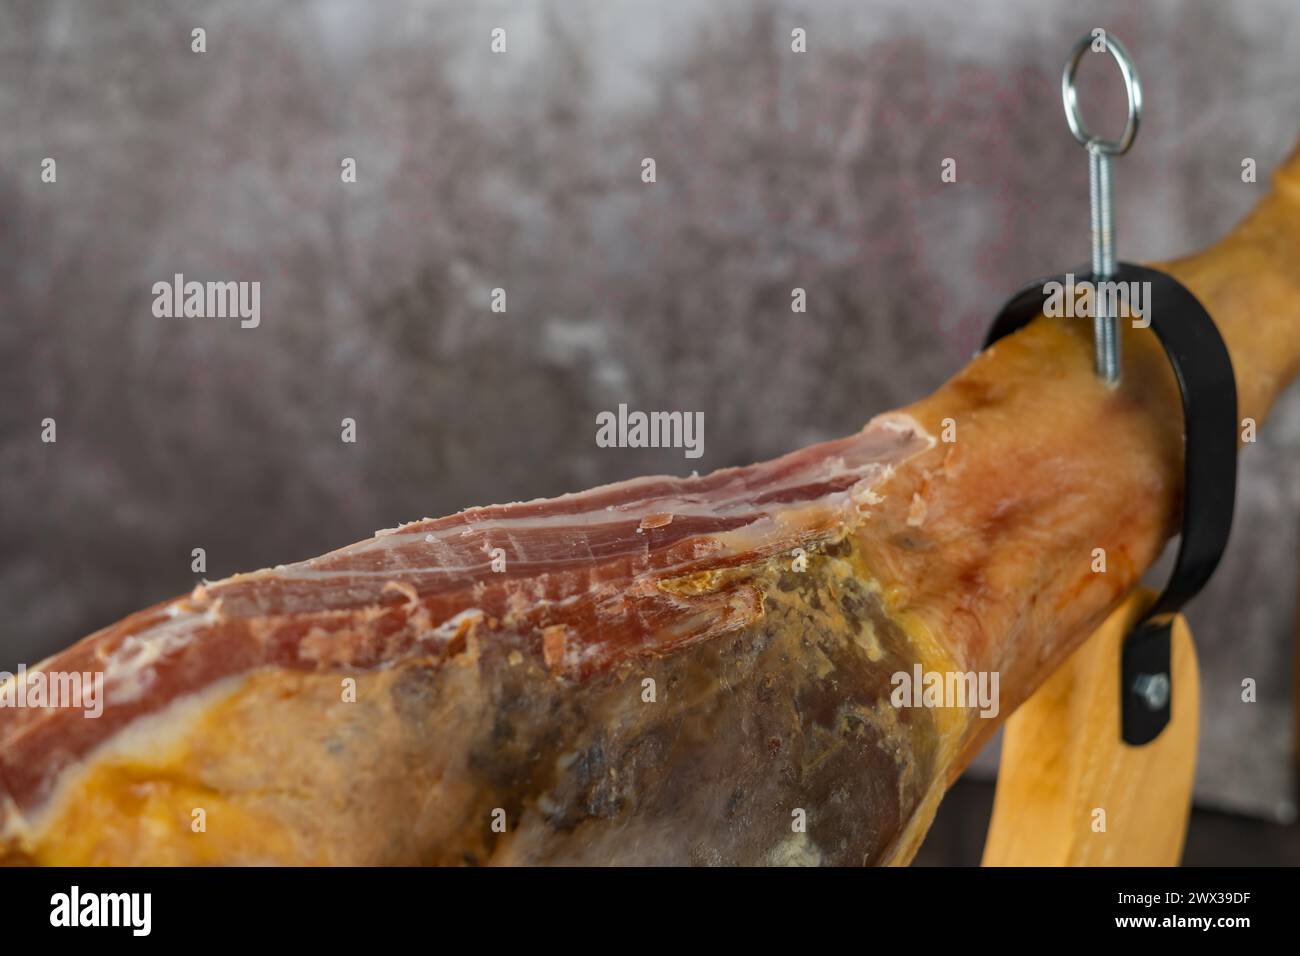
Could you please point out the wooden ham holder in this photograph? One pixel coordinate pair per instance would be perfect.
(1097, 766)
(1070, 791)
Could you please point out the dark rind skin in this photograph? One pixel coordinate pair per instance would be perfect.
(787, 713)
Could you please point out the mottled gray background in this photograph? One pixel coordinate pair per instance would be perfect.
(521, 170)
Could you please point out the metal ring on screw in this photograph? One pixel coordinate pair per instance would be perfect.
(1132, 86)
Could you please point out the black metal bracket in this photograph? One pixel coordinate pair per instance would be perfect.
(1209, 392)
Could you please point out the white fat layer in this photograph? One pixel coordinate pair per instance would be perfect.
(129, 667)
(451, 627)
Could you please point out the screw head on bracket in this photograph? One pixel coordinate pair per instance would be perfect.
(1152, 690)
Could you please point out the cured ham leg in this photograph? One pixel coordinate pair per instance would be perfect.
(664, 670)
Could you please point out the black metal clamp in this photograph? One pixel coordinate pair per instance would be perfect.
(1209, 393)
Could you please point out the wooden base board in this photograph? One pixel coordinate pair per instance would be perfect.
(1070, 792)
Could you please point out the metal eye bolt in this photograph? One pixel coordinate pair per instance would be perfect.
(1104, 324)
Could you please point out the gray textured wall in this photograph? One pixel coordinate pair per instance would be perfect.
(522, 171)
